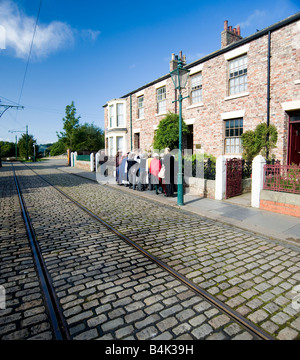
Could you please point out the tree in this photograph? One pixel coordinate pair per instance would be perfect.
(88, 137)
(22, 146)
(262, 140)
(76, 137)
(58, 148)
(7, 149)
(71, 123)
(167, 134)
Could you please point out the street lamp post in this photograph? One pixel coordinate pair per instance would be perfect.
(180, 78)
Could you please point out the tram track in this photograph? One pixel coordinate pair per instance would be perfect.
(58, 319)
(59, 325)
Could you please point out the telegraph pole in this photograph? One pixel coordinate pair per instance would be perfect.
(27, 142)
(3, 109)
(16, 146)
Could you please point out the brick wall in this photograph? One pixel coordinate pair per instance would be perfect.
(280, 202)
(208, 125)
(281, 208)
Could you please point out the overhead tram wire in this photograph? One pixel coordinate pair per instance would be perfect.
(30, 51)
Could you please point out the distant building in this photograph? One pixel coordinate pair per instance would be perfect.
(248, 81)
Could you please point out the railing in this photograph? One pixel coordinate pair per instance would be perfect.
(83, 157)
(282, 178)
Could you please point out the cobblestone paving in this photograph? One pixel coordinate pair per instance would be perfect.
(24, 316)
(106, 288)
(250, 273)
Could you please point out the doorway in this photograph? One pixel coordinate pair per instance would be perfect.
(136, 143)
(294, 140)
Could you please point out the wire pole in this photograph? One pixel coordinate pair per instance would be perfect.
(27, 142)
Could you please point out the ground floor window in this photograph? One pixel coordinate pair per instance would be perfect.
(120, 144)
(111, 145)
(233, 136)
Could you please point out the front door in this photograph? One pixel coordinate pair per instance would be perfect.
(294, 140)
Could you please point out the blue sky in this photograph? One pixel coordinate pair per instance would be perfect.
(93, 51)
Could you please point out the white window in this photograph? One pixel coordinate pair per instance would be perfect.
(120, 115)
(111, 146)
(238, 79)
(141, 107)
(233, 133)
(111, 116)
(120, 143)
(161, 100)
(196, 88)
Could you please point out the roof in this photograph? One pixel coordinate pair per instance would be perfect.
(239, 43)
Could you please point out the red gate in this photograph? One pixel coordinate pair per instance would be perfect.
(234, 177)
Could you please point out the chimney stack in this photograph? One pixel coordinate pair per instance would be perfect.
(174, 61)
(230, 35)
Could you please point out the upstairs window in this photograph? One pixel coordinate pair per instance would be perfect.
(161, 100)
(120, 115)
(196, 89)
(111, 116)
(141, 107)
(238, 79)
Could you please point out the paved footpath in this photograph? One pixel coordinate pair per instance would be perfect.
(251, 273)
(106, 288)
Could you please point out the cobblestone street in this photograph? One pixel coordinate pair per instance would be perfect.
(108, 290)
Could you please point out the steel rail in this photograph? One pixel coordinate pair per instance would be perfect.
(58, 323)
(234, 315)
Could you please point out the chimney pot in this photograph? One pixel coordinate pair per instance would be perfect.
(230, 34)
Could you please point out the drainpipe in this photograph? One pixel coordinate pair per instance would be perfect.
(268, 86)
(131, 123)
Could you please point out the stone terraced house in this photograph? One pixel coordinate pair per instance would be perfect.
(248, 81)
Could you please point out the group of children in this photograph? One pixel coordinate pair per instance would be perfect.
(141, 171)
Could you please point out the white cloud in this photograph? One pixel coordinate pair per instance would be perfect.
(49, 38)
(253, 18)
(261, 18)
(89, 34)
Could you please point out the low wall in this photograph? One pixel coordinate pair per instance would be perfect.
(246, 185)
(206, 188)
(280, 202)
(83, 165)
(200, 187)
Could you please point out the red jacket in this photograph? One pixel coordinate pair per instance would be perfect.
(155, 167)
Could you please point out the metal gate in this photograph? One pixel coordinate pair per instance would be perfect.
(234, 177)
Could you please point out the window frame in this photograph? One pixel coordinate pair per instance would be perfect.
(141, 109)
(235, 139)
(120, 123)
(111, 116)
(161, 103)
(196, 89)
(240, 73)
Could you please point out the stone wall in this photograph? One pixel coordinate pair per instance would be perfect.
(83, 165)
